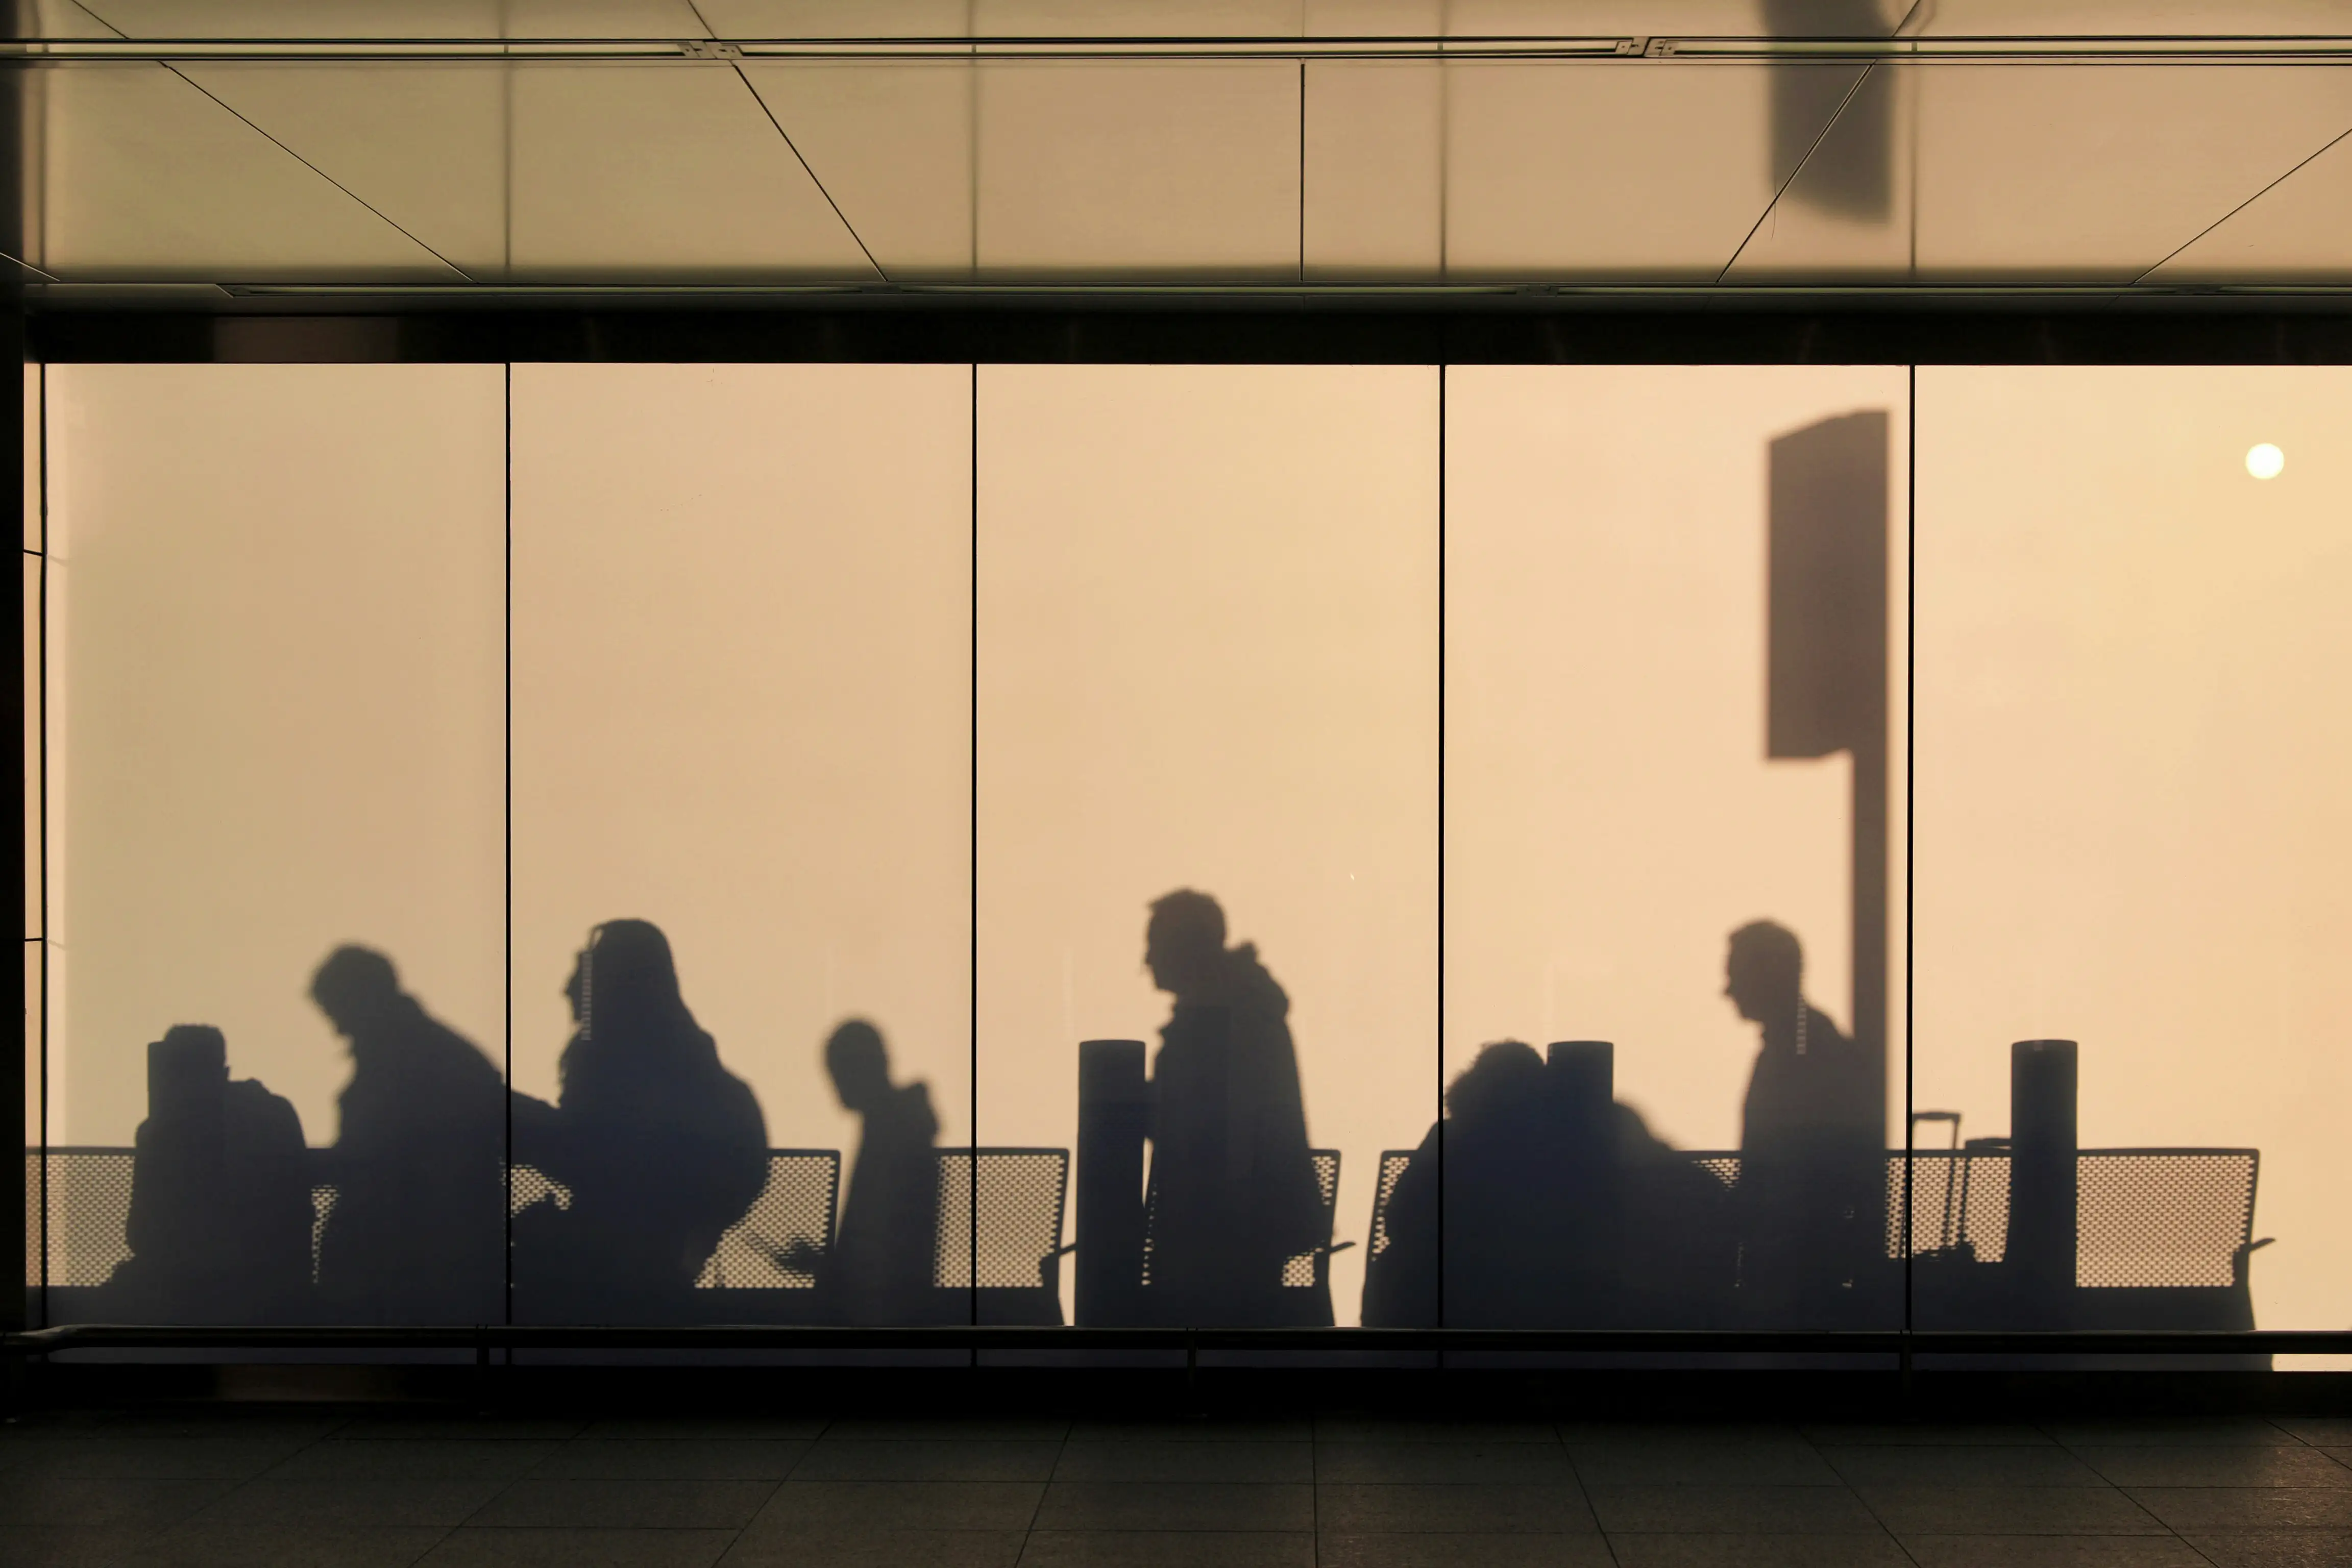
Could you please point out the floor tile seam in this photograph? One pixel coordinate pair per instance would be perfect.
(1880, 1519)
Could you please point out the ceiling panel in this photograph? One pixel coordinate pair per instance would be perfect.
(2048, 172)
(837, 18)
(144, 177)
(424, 145)
(1136, 18)
(1616, 171)
(1121, 169)
(892, 144)
(400, 18)
(2112, 18)
(621, 170)
(2298, 231)
(560, 172)
(1374, 172)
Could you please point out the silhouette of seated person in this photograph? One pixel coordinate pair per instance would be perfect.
(880, 1270)
(1811, 1146)
(1559, 1210)
(1489, 1218)
(219, 1227)
(660, 1147)
(1233, 1186)
(418, 1234)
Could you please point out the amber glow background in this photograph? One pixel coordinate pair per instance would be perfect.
(1208, 604)
(742, 611)
(1208, 635)
(2135, 729)
(274, 714)
(1610, 816)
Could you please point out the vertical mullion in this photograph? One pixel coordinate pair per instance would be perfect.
(971, 741)
(41, 701)
(1910, 795)
(506, 1295)
(1440, 1117)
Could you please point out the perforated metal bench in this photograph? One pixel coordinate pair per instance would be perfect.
(1022, 1200)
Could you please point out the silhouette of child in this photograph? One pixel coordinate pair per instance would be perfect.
(880, 1271)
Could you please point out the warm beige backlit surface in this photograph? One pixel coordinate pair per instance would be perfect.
(1610, 816)
(742, 695)
(2134, 733)
(1208, 659)
(733, 608)
(275, 714)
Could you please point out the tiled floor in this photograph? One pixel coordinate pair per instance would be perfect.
(227, 1487)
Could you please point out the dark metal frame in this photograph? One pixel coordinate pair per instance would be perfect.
(1411, 327)
(1529, 326)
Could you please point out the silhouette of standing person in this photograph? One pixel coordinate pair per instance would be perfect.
(1812, 1144)
(1233, 1189)
(219, 1227)
(881, 1268)
(661, 1147)
(418, 1231)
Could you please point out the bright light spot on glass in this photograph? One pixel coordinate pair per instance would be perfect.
(2265, 461)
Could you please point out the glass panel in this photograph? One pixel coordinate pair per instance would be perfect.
(142, 175)
(2042, 171)
(2133, 728)
(1208, 814)
(274, 729)
(2292, 233)
(1097, 170)
(743, 622)
(891, 143)
(609, 172)
(32, 753)
(1671, 598)
(1641, 174)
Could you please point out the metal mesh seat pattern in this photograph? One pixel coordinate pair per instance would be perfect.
(2146, 1217)
(796, 1209)
(1021, 1195)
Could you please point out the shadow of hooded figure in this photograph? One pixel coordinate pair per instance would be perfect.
(1812, 1154)
(1233, 1189)
(418, 1234)
(880, 1270)
(219, 1227)
(1487, 1219)
(660, 1147)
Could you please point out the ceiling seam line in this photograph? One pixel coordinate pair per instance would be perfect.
(11, 255)
(380, 217)
(1774, 205)
(81, 6)
(2142, 277)
(848, 228)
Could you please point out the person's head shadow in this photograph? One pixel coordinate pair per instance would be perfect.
(1764, 972)
(1184, 946)
(359, 991)
(860, 1065)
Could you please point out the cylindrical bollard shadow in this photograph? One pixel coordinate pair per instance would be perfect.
(2043, 1180)
(1114, 1115)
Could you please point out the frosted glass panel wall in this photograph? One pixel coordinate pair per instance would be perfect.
(275, 716)
(1208, 666)
(1670, 639)
(742, 611)
(2135, 724)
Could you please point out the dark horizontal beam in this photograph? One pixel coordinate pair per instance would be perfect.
(1237, 329)
(1681, 1342)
